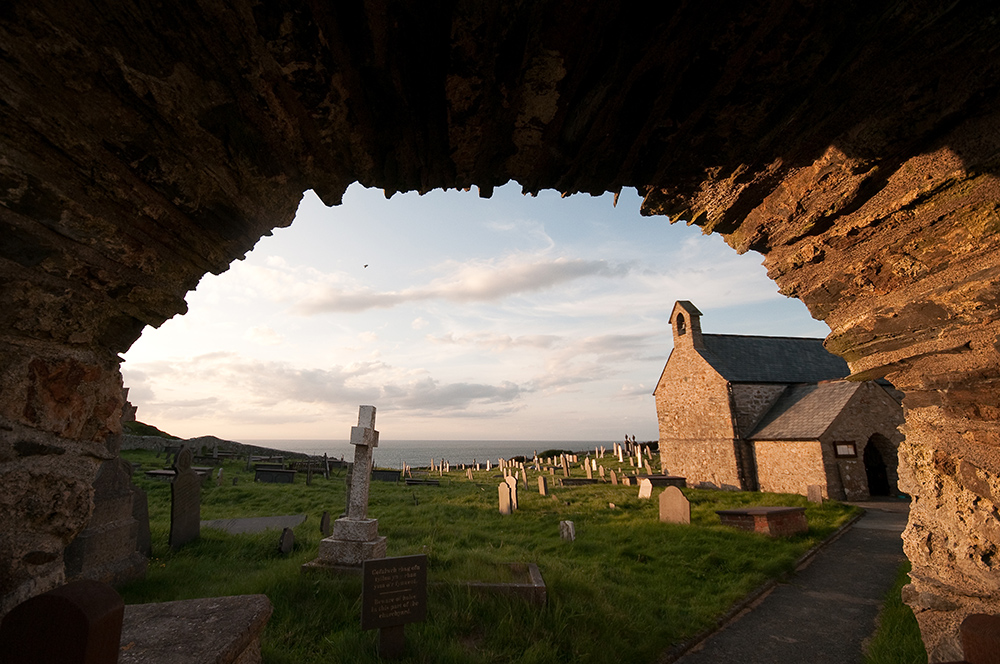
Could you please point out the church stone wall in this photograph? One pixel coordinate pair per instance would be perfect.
(751, 401)
(696, 429)
(790, 466)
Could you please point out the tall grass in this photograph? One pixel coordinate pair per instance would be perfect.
(897, 639)
(627, 589)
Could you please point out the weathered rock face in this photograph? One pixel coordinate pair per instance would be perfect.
(856, 146)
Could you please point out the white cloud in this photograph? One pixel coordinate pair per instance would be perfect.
(497, 342)
(419, 323)
(475, 281)
(263, 335)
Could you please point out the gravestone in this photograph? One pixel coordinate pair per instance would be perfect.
(814, 493)
(645, 488)
(309, 474)
(287, 541)
(185, 502)
(78, 623)
(236, 481)
(324, 524)
(543, 487)
(393, 594)
(590, 473)
(468, 474)
(614, 477)
(601, 472)
(674, 506)
(524, 479)
(108, 549)
(512, 483)
(355, 537)
(567, 531)
(218, 478)
(503, 494)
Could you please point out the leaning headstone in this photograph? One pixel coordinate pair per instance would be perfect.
(78, 623)
(324, 524)
(674, 506)
(287, 541)
(645, 488)
(218, 478)
(814, 492)
(512, 483)
(614, 477)
(524, 479)
(567, 531)
(543, 487)
(590, 473)
(600, 471)
(185, 502)
(108, 549)
(503, 494)
(355, 537)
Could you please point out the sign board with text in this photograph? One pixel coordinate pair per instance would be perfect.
(394, 591)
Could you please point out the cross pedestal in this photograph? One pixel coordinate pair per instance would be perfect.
(355, 537)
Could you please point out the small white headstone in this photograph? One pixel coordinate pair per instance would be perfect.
(645, 488)
(503, 493)
(567, 531)
(511, 481)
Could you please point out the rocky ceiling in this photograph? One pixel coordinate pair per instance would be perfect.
(854, 144)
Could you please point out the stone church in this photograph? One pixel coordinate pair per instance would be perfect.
(773, 414)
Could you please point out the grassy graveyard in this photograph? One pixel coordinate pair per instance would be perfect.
(628, 589)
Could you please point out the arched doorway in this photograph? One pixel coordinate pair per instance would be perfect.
(875, 468)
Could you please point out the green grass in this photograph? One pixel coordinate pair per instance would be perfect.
(138, 428)
(627, 589)
(897, 639)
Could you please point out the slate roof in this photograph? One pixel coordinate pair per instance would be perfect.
(745, 359)
(805, 412)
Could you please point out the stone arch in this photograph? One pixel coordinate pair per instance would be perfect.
(142, 146)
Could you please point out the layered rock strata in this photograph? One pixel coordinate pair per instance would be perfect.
(145, 144)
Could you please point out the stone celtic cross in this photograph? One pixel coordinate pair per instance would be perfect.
(364, 437)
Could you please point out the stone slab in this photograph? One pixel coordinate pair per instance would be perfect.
(345, 553)
(667, 480)
(256, 524)
(220, 630)
(576, 481)
(274, 476)
(778, 521)
(531, 589)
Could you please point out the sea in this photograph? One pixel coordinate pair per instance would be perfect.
(419, 453)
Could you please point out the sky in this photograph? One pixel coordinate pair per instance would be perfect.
(459, 318)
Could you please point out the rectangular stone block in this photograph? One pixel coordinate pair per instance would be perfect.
(354, 530)
(341, 552)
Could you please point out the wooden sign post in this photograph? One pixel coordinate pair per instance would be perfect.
(394, 592)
